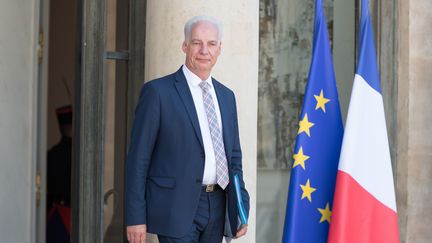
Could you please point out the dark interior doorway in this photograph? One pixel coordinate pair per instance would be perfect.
(95, 71)
(63, 53)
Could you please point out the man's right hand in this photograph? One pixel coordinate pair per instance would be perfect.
(137, 233)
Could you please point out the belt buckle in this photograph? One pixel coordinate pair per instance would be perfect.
(210, 188)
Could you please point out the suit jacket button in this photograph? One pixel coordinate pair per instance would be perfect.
(202, 155)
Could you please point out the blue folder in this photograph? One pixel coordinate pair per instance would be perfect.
(241, 210)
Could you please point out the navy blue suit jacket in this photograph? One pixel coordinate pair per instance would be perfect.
(165, 163)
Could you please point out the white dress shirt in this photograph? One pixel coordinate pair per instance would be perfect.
(193, 81)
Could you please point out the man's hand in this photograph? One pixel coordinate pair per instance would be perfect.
(137, 233)
(242, 231)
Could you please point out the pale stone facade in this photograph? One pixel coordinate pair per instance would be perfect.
(18, 130)
(414, 165)
(406, 96)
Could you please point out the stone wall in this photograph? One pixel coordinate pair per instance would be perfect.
(284, 57)
(18, 122)
(415, 143)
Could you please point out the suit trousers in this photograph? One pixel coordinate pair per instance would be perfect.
(209, 221)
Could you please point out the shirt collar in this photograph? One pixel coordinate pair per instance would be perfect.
(193, 79)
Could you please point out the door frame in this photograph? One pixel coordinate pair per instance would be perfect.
(87, 166)
(89, 125)
(39, 169)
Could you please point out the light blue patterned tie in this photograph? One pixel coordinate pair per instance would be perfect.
(222, 177)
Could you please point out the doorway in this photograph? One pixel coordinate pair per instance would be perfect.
(61, 35)
(95, 67)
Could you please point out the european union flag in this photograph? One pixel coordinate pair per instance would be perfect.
(317, 149)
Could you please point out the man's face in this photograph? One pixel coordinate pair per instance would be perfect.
(202, 49)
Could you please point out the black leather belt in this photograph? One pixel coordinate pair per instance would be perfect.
(211, 187)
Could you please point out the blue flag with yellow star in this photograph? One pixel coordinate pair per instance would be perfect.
(318, 144)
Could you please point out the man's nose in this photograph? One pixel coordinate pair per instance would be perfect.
(204, 49)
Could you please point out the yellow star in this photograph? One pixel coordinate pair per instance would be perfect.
(305, 125)
(325, 214)
(307, 190)
(321, 101)
(300, 158)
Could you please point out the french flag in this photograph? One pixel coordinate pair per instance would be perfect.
(364, 205)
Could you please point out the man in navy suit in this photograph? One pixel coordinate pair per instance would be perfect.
(185, 150)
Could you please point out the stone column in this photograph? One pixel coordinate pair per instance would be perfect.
(19, 120)
(419, 208)
(414, 118)
(237, 66)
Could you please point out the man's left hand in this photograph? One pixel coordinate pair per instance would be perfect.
(242, 231)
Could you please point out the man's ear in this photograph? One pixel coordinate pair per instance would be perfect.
(184, 46)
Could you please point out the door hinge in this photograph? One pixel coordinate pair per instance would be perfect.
(38, 189)
(41, 44)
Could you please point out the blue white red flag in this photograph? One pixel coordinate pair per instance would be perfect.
(364, 208)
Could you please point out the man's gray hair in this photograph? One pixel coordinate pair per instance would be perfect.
(197, 19)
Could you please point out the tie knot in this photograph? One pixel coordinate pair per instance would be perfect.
(204, 85)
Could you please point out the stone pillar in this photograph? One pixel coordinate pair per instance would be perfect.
(18, 123)
(237, 66)
(414, 139)
(419, 208)
(402, 119)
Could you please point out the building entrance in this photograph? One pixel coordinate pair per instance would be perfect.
(94, 67)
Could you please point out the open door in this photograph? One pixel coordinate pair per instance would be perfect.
(111, 72)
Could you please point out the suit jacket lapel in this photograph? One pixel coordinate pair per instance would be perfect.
(224, 110)
(186, 96)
